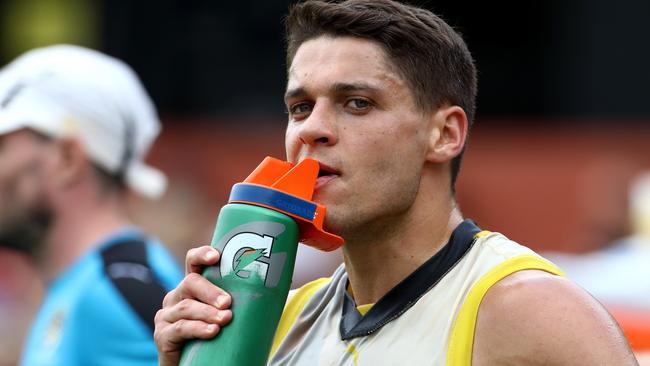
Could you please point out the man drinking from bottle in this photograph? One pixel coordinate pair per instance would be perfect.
(383, 96)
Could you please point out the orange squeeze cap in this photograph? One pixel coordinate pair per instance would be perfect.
(287, 188)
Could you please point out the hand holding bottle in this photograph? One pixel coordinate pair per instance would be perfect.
(195, 309)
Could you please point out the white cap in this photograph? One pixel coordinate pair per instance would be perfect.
(70, 91)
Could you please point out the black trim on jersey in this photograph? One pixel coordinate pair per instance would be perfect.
(401, 297)
(127, 266)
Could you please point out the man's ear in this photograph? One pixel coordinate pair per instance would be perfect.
(71, 162)
(448, 133)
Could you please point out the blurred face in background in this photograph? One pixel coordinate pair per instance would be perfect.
(24, 208)
(349, 110)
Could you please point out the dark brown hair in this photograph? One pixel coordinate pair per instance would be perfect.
(424, 50)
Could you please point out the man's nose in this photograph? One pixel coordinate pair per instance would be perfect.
(320, 127)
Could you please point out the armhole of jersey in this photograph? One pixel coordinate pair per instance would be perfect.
(127, 266)
(293, 308)
(461, 340)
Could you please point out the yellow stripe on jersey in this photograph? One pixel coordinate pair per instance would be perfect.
(293, 308)
(482, 234)
(364, 309)
(352, 349)
(461, 341)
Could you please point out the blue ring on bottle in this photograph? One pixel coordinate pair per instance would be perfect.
(252, 193)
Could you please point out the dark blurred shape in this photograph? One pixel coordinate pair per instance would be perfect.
(582, 59)
(576, 59)
(201, 58)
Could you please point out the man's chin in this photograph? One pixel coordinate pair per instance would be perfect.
(23, 240)
(28, 236)
(335, 224)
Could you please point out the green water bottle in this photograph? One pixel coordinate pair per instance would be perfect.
(257, 234)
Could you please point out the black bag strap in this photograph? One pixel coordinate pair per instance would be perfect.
(127, 266)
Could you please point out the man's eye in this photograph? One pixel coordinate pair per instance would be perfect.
(358, 103)
(300, 108)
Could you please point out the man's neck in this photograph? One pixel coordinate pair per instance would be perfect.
(378, 262)
(77, 229)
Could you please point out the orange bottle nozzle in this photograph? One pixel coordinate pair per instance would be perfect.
(292, 189)
(269, 171)
(297, 180)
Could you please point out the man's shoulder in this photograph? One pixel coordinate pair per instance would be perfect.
(296, 303)
(528, 292)
(99, 290)
(499, 244)
(118, 286)
(306, 291)
(140, 272)
(144, 260)
(532, 316)
(113, 312)
(84, 316)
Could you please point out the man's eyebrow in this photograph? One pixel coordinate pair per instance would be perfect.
(350, 87)
(336, 88)
(295, 93)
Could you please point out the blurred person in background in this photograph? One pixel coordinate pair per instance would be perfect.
(75, 126)
(383, 95)
(614, 196)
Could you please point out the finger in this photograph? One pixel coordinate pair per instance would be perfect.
(171, 337)
(170, 299)
(195, 286)
(198, 258)
(194, 310)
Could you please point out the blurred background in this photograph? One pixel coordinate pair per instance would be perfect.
(557, 157)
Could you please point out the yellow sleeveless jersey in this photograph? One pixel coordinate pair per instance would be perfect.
(427, 319)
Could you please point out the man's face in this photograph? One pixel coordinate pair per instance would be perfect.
(349, 110)
(24, 211)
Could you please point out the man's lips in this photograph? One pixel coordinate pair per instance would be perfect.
(321, 181)
(326, 174)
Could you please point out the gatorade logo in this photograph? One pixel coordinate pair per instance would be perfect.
(247, 252)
